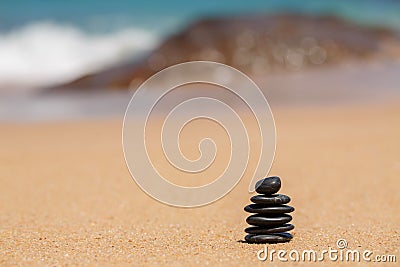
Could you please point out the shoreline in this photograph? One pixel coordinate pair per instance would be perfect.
(345, 85)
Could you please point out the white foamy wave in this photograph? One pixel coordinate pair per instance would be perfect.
(46, 53)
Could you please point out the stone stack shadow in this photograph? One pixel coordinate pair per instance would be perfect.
(270, 221)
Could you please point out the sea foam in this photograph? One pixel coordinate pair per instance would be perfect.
(45, 53)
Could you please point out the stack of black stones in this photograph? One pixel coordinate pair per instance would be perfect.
(270, 221)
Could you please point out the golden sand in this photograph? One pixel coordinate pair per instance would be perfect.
(66, 196)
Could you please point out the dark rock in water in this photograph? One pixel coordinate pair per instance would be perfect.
(269, 185)
(271, 220)
(276, 238)
(270, 200)
(317, 40)
(269, 230)
(263, 209)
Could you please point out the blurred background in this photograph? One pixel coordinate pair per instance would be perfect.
(330, 71)
(73, 59)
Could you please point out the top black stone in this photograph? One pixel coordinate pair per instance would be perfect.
(269, 185)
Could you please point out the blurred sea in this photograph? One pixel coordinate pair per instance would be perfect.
(49, 41)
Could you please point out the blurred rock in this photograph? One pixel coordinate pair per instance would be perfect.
(255, 45)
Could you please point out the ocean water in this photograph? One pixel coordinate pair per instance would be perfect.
(44, 42)
(338, 87)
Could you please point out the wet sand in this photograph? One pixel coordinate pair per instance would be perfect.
(66, 197)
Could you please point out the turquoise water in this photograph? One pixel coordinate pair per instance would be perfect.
(166, 16)
(43, 42)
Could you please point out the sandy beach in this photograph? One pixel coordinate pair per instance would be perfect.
(72, 73)
(66, 196)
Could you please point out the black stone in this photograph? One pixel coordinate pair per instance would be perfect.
(275, 238)
(269, 223)
(269, 185)
(263, 209)
(269, 230)
(272, 199)
(271, 220)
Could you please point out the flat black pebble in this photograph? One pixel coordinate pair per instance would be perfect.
(269, 185)
(271, 220)
(272, 199)
(263, 209)
(269, 230)
(275, 238)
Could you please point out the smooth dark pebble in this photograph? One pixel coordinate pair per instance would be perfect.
(272, 199)
(271, 220)
(263, 209)
(269, 185)
(269, 230)
(275, 238)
